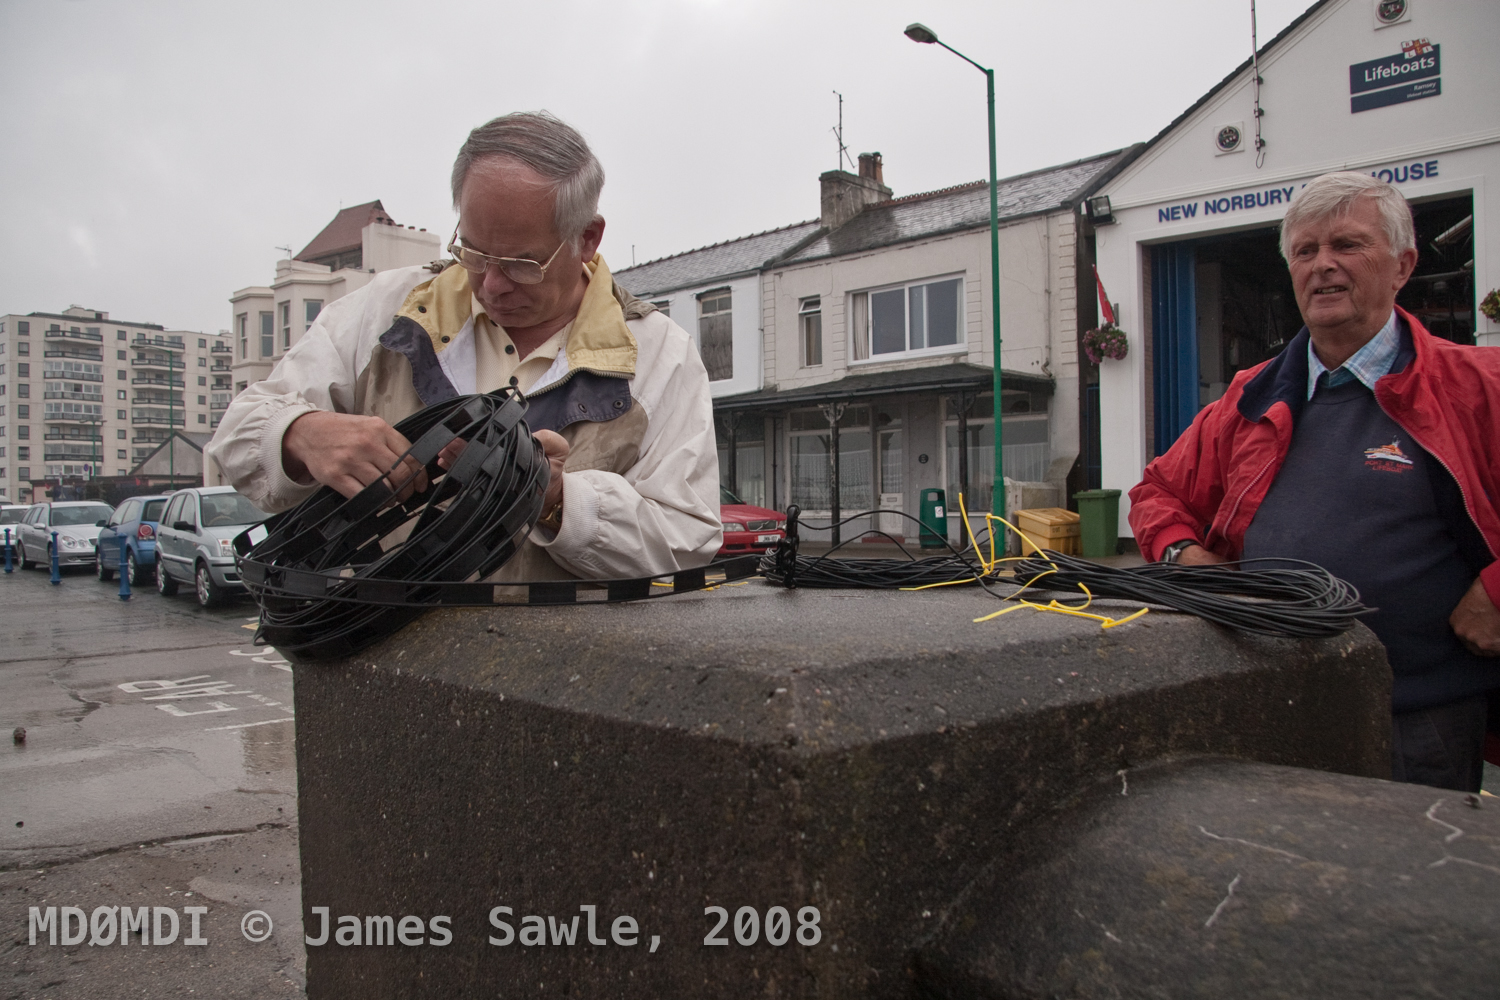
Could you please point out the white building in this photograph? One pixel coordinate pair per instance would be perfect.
(877, 315)
(359, 242)
(84, 396)
(1408, 91)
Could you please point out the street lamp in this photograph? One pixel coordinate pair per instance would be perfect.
(925, 35)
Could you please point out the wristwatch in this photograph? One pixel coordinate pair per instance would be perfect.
(1173, 552)
(552, 519)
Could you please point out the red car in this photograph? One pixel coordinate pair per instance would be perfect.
(748, 528)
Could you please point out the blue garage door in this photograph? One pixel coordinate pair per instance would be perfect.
(1174, 340)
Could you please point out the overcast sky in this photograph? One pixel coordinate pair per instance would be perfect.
(155, 155)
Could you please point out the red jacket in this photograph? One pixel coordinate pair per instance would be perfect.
(1211, 482)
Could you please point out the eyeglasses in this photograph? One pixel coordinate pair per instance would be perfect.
(521, 270)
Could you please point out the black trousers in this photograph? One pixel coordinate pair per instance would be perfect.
(1442, 746)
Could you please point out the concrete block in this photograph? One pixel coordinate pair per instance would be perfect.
(869, 754)
(1228, 879)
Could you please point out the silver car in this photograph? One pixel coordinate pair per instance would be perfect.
(77, 523)
(194, 542)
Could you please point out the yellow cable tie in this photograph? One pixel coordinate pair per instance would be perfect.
(997, 614)
(1130, 618)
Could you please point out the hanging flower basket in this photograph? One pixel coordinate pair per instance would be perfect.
(1490, 306)
(1106, 342)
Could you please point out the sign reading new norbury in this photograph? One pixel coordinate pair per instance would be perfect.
(1224, 204)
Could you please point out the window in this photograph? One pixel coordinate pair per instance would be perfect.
(121, 335)
(267, 335)
(286, 328)
(202, 400)
(121, 394)
(664, 306)
(202, 418)
(242, 326)
(202, 362)
(811, 469)
(23, 411)
(23, 328)
(917, 317)
(23, 390)
(715, 334)
(2, 369)
(121, 454)
(119, 355)
(202, 380)
(1027, 452)
(23, 348)
(202, 342)
(810, 320)
(23, 472)
(310, 310)
(120, 414)
(120, 434)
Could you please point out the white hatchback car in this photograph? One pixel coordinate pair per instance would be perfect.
(194, 541)
(77, 524)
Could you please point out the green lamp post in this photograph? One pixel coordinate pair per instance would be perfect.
(925, 35)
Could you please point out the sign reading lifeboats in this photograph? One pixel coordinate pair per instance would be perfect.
(1409, 75)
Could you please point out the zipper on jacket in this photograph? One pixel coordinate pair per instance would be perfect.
(570, 374)
(1238, 500)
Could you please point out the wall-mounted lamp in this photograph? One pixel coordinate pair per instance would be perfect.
(1099, 211)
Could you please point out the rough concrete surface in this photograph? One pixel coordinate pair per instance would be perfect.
(867, 754)
(1227, 879)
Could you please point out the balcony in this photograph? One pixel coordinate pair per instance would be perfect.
(221, 349)
(54, 370)
(160, 418)
(218, 401)
(220, 366)
(162, 363)
(72, 418)
(141, 342)
(160, 380)
(82, 397)
(148, 437)
(64, 452)
(74, 334)
(75, 354)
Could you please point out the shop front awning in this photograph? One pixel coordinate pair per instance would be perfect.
(951, 378)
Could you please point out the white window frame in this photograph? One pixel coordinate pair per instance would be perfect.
(808, 309)
(856, 312)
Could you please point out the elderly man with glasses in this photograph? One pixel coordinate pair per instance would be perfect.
(618, 394)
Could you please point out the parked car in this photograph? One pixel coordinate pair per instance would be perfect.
(194, 542)
(136, 521)
(748, 528)
(11, 516)
(77, 523)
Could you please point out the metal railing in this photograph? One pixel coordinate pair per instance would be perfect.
(75, 355)
(74, 334)
(176, 383)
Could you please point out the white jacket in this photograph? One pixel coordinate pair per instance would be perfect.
(641, 486)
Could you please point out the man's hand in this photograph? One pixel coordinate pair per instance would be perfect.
(555, 447)
(348, 452)
(1197, 555)
(1476, 622)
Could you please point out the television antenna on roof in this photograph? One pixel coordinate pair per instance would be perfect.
(285, 250)
(838, 134)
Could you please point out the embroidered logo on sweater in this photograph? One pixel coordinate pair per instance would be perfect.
(1387, 458)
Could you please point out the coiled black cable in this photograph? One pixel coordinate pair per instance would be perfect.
(328, 570)
(1292, 598)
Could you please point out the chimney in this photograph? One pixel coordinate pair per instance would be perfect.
(844, 195)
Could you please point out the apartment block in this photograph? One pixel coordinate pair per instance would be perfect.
(84, 396)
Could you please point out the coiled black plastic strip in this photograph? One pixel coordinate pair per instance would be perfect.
(330, 580)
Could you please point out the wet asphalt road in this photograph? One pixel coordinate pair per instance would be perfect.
(157, 770)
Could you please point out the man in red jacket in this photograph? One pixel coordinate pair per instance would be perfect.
(1372, 448)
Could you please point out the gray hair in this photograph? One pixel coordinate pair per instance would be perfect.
(553, 149)
(1334, 195)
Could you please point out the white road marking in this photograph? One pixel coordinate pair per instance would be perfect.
(247, 725)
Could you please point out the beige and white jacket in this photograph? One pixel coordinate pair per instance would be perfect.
(627, 390)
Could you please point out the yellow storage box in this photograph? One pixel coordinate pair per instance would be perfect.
(1051, 528)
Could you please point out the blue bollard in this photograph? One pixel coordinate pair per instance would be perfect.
(124, 572)
(56, 571)
(8, 567)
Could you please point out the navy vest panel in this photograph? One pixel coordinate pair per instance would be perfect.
(1356, 496)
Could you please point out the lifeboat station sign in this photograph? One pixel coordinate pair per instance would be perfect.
(1409, 75)
(1225, 204)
